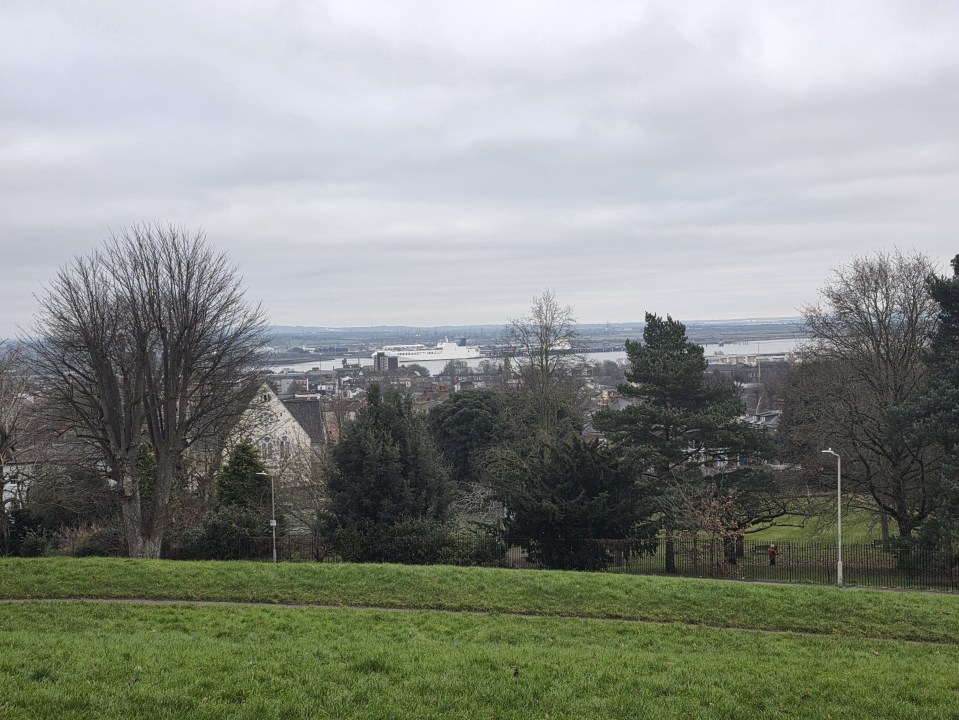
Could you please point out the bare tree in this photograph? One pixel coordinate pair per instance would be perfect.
(148, 340)
(39, 470)
(63, 485)
(13, 401)
(539, 353)
(17, 420)
(865, 362)
(300, 485)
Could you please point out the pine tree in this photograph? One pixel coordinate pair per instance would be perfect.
(934, 417)
(682, 434)
(941, 400)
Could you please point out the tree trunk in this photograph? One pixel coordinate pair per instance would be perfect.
(143, 538)
(163, 487)
(670, 551)
(904, 554)
(132, 522)
(907, 524)
(146, 547)
(729, 548)
(4, 530)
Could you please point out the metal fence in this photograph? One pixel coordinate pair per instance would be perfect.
(870, 565)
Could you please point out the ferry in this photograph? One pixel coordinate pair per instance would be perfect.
(446, 350)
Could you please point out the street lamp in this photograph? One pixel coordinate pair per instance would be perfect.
(273, 505)
(830, 451)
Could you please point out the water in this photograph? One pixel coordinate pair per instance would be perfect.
(712, 351)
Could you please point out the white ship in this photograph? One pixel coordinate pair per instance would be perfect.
(445, 350)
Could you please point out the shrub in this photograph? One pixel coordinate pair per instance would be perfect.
(418, 542)
(227, 533)
(103, 542)
(23, 522)
(582, 554)
(472, 549)
(34, 543)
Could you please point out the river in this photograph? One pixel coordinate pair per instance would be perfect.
(712, 351)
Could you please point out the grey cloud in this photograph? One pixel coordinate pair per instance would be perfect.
(694, 158)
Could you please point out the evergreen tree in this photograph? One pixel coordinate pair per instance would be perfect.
(465, 427)
(678, 422)
(385, 468)
(242, 508)
(239, 483)
(684, 435)
(570, 495)
(935, 416)
(940, 402)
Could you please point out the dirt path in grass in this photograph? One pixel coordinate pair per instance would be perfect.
(479, 613)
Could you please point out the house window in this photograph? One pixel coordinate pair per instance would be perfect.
(266, 447)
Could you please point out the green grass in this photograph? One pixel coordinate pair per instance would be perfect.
(726, 650)
(824, 610)
(858, 525)
(81, 660)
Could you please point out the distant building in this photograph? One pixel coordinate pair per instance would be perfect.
(385, 363)
(284, 384)
(766, 421)
(272, 427)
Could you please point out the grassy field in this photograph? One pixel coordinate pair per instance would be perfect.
(858, 526)
(814, 521)
(728, 650)
(864, 613)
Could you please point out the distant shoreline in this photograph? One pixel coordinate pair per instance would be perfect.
(714, 352)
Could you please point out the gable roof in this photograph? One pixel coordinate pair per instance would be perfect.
(309, 414)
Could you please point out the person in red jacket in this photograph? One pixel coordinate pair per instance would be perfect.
(771, 552)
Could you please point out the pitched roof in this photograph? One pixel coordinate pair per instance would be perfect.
(309, 414)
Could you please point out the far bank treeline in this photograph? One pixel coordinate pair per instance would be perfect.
(124, 428)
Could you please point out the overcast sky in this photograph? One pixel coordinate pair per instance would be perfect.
(429, 163)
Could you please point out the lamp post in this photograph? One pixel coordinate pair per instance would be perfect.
(273, 508)
(830, 451)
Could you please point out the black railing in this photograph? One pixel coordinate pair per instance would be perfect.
(872, 565)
